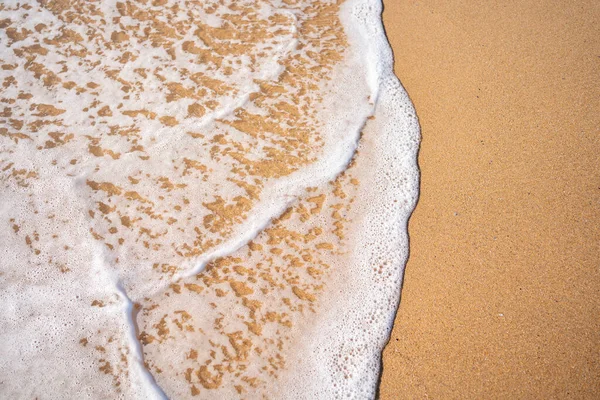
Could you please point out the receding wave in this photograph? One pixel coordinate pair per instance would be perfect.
(200, 198)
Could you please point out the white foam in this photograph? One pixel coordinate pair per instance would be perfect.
(50, 311)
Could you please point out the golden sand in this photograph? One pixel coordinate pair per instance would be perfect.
(501, 297)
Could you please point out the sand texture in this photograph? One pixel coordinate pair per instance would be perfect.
(501, 296)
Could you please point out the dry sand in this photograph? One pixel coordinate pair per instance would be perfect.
(501, 296)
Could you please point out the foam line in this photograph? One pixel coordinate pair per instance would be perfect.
(153, 391)
(280, 201)
(343, 357)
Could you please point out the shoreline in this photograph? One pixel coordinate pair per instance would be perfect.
(500, 295)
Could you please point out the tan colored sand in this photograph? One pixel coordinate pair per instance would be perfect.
(501, 297)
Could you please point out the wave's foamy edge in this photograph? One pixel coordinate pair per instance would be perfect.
(343, 360)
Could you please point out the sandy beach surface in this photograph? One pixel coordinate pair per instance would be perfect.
(209, 199)
(501, 296)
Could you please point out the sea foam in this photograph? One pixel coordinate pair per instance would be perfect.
(200, 198)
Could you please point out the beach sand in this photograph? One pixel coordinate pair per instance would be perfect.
(501, 297)
(177, 222)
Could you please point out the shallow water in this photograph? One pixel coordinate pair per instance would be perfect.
(200, 198)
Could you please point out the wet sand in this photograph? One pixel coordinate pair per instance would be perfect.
(501, 297)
